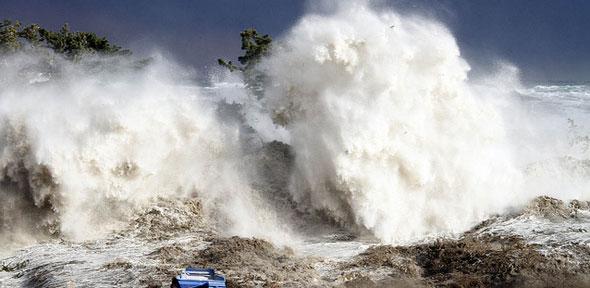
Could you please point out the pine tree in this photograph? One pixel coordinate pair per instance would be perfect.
(256, 47)
(9, 34)
(65, 42)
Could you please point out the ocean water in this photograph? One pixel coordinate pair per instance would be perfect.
(566, 96)
(371, 130)
(55, 263)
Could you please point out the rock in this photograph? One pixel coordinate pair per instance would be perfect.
(579, 205)
(250, 262)
(549, 208)
(118, 264)
(386, 256)
(169, 218)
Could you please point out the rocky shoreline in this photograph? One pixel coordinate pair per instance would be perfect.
(172, 235)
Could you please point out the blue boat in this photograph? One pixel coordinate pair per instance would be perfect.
(198, 278)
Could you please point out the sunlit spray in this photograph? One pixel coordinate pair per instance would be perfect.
(388, 134)
(83, 144)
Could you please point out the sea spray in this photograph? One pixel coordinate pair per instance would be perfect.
(389, 135)
(380, 130)
(83, 144)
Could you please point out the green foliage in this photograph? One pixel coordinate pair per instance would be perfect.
(31, 34)
(255, 47)
(71, 44)
(76, 43)
(9, 34)
(229, 65)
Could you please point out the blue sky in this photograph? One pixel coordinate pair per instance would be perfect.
(547, 40)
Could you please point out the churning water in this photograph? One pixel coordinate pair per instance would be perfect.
(386, 136)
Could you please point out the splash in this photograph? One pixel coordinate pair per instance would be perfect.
(82, 145)
(388, 133)
(379, 131)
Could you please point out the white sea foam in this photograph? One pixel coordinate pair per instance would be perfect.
(389, 134)
(84, 144)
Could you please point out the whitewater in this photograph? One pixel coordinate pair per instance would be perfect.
(371, 130)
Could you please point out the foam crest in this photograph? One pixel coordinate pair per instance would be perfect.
(389, 135)
(82, 145)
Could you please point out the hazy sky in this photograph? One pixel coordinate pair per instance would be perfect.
(547, 40)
